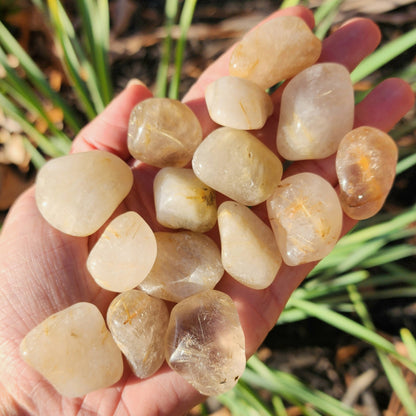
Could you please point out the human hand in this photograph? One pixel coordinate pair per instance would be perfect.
(43, 271)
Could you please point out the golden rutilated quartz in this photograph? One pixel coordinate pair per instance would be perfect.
(238, 103)
(74, 351)
(77, 193)
(306, 217)
(317, 110)
(138, 323)
(124, 254)
(235, 163)
(186, 263)
(249, 251)
(163, 132)
(275, 51)
(205, 342)
(183, 201)
(366, 167)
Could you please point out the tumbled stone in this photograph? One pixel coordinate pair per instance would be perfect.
(183, 201)
(163, 132)
(275, 51)
(186, 263)
(238, 103)
(249, 251)
(74, 351)
(138, 323)
(205, 342)
(366, 167)
(77, 193)
(317, 110)
(237, 164)
(124, 254)
(306, 217)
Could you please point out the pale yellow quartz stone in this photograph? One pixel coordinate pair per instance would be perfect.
(275, 51)
(74, 351)
(317, 110)
(205, 342)
(237, 164)
(138, 323)
(163, 132)
(124, 254)
(306, 217)
(366, 167)
(238, 103)
(186, 263)
(77, 193)
(183, 201)
(249, 251)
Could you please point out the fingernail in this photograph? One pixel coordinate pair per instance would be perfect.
(135, 81)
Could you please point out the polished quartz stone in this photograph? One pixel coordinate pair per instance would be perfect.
(238, 103)
(237, 164)
(275, 51)
(306, 217)
(205, 342)
(183, 201)
(317, 110)
(163, 132)
(186, 263)
(366, 167)
(77, 193)
(74, 351)
(249, 251)
(124, 254)
(138, 323)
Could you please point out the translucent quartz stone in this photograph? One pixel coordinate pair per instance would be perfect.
(238, 103)
(275, 51)
(306, 217)
(138, 323)
(366, 168)
(205, 342)
(183, 201)
(163, 132)
(74, 351)
(248, 247)
(317, 110)
(237, 164)
(77, 193)
(124, 254)
(186, 263)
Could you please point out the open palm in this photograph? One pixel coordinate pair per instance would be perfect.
(43, 271)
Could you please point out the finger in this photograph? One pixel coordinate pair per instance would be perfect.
(108, 131)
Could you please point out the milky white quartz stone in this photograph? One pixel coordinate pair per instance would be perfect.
(74, 351)
(366, 167)
(186, 263)
(306, 217)
(235, 163)
(77, 193)
(249, 251)
(275, 51)
(317, 110)
(183, 201)
(205, 342)
(124, 254)
(138, 323)
(238, 103)
(163, 132)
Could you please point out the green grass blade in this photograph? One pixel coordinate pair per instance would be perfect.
(171, 11)
(35, 156)
(290, 3)
(410, 343)
(252, 400)
(324, 16)
(37, 77)
(383, 55)
(406, 163)
(389, 255)
(278, 406)
(184, 24)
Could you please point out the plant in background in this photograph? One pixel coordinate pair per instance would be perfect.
(368, 257)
